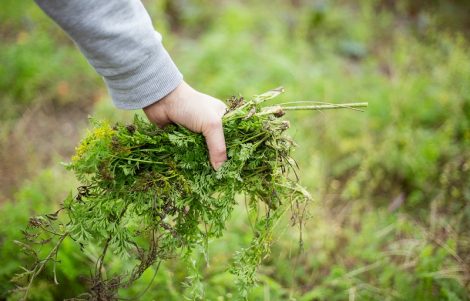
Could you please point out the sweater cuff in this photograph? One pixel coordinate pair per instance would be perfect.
(152, 80)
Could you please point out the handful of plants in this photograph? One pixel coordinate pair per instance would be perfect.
(150, 194)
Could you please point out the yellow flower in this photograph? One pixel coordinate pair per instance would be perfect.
(103, 132)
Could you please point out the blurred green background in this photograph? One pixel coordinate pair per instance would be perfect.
(391, 213)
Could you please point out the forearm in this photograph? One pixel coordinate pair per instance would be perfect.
(118, 39)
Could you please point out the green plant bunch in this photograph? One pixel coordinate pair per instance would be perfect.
(150, 194)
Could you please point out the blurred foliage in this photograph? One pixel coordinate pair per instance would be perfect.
(392, 184)
(37, 62)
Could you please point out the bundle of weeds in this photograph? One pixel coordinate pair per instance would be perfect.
(150, 194)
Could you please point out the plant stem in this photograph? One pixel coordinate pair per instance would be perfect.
(40, 266)
(327, 106)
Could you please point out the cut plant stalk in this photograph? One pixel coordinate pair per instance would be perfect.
(280, 109)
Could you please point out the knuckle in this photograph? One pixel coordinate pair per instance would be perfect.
(214, 123)
(218, 151)
(222, 106)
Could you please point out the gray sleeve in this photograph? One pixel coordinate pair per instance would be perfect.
(118, 39)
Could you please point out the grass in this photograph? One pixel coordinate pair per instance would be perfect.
(391, 185)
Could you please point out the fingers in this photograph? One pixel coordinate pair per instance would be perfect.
(197, 112)
(214, 134)
(157, 114)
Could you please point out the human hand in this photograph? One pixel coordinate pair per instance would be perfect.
(197, 112)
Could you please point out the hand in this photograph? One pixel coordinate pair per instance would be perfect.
(197, 112)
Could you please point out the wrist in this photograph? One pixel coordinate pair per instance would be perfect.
(182, 91)
(160, 111)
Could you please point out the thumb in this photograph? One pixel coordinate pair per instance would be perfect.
(214, 134)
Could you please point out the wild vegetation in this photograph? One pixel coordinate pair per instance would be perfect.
(390, 213)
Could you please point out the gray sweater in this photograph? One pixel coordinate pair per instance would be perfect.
(118, 39)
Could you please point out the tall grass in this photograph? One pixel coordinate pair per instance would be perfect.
(391, 186)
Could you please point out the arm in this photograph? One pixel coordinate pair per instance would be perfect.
(118, 39)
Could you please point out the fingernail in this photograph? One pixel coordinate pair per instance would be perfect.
(217, 165)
